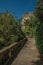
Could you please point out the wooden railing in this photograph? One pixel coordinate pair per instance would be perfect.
(9, 52)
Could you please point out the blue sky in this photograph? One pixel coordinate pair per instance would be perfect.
(18, 6)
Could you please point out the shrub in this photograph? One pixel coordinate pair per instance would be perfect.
(39, 29)
(10, 30)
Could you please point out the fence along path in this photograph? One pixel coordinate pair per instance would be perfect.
(7, 53)
(28, 55)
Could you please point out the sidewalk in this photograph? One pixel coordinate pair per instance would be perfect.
(28, 55)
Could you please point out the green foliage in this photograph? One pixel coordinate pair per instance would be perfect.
(39, 29)
(39, 38)
(39, 10)
(30, 26)
(10, 29)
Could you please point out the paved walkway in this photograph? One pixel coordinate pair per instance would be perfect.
(28, 55)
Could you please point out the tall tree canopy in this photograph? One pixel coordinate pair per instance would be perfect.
(39, 10)
(10, 30)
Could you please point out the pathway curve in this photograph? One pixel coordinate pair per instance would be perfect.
(28, 55)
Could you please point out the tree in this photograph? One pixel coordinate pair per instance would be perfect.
(39, 10)
(30, 25)
(10, 29)
(39, 29)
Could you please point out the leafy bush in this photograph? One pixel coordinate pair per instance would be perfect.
(10, 30)
(30, 26)
(39, 29)
(39, 38)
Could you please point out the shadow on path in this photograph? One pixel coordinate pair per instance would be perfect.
(28, 55)
(15, 55)
(37, 62)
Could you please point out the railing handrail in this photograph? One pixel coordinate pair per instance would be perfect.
(8, 47)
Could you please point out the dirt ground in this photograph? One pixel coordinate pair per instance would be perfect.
(28, 55)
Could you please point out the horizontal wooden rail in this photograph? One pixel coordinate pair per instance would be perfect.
(8, 52)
